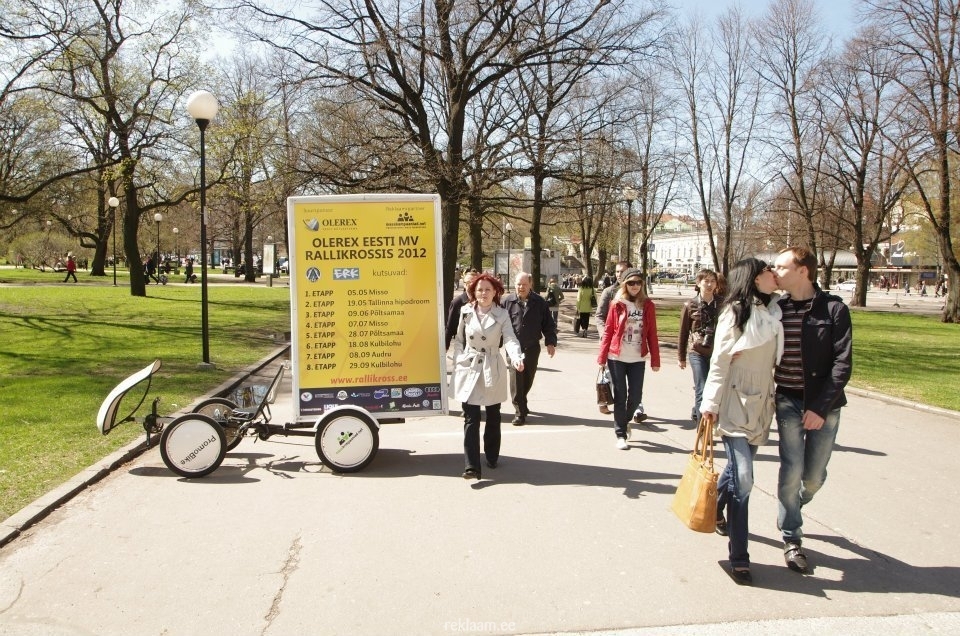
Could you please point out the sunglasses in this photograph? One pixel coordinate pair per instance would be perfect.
(634, 283)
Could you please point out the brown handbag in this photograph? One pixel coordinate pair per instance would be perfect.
(695, 501)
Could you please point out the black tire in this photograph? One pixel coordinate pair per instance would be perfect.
(193, 445)
(219, 409)
(347, 440)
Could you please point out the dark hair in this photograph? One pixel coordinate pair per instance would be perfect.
(802, 257)
(704, 273)
(742, 290)
(497, 287)
(586, 282)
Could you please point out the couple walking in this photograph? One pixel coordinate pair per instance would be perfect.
(787, 356)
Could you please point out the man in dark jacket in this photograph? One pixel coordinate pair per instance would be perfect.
(453, 312)
(531, 319)
(813, 371)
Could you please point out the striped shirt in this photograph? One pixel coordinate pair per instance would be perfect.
(789, 373)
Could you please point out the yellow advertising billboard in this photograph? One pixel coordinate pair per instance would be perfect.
(366, 304)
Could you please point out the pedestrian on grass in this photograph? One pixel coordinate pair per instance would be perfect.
(71, 269)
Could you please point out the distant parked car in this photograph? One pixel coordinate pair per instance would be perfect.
(847, 285)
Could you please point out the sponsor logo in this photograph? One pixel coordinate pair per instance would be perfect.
(342, 395)
(196, 451)
(436, 405)
(396, 393)
(380, 394)
(306, 396)
(426, 404)
(431, 390)
(312, 274)
(413, 392)
(346, 273)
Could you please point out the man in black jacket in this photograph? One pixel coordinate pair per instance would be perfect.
(531, 319)
(453, 312)
(814, 369)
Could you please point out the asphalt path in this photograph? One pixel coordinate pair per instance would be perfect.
(567, 535)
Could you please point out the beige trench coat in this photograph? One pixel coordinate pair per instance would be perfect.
(480, 374)
(741, 390)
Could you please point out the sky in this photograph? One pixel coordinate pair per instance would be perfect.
(837, 15)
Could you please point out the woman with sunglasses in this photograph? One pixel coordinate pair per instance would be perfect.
(629, 340)
(738, 398)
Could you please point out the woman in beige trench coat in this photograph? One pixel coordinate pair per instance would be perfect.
(738, 398)
(480, 376)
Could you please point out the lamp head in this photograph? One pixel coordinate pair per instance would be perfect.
(157, 217)
(629, 194)
(113, 202)
(508, 227)
(202, 105)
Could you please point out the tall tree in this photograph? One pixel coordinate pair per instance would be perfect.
(925, 34)
(423, 63)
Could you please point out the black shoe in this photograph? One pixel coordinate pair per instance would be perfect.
(721, 527)
(795, 558)
(493, 463)
(741, 576)
(519, 420)
(471, 473)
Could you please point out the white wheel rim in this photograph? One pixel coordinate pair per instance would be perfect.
(347, 441)
(193, 446)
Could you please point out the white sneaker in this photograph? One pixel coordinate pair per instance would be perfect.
(639, 415)
(622, 443)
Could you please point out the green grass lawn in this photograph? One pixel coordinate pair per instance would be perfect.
(904, 355)
(63, 348)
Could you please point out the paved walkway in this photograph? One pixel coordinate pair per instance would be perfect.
(568, 535)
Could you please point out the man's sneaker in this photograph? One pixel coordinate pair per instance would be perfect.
(794, 557)
(622, 443)
(639, 415)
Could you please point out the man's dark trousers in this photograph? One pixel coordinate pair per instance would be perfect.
(521, 381)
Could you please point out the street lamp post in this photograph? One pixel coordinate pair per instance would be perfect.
(158, 217)
(203, 107)
(114, 202)
(176, 245)
(629, 195)
(508, 228)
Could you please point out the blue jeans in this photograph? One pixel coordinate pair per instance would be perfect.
(700, 365)
(804, 456)
(733, 496)
(627, 381)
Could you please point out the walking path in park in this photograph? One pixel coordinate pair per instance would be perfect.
(567, 535)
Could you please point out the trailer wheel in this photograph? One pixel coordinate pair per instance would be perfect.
(193, 445)
(347, 440)
(219, 409)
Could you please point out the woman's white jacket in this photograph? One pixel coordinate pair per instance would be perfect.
(480, 375)
(740, 390)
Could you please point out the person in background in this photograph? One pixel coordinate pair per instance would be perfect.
(189, 277)
(480, 374)
(603, 307)
(554, 298)
(531, 320)
(71, 269)
(629, 340)
(453, 312)
(699, 318)
(815, 367)
(738, 396)
(586, 302)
